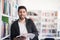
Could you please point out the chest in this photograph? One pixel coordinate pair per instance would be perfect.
(25, 28)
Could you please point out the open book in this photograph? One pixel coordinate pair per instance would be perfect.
(30, 35)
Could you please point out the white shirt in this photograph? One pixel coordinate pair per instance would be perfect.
(23, 30)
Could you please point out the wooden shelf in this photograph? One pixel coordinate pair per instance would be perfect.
(5, 37)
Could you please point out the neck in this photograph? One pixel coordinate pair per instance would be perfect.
(22, 20)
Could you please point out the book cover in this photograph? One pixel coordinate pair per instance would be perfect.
(5, 27)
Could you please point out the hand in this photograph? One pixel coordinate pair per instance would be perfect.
(25, 35)
(22, 38)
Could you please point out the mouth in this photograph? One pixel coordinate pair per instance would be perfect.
(21, 16)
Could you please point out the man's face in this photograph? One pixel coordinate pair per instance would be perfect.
(22, 13)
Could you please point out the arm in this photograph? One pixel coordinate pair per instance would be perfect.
(12, 32)
(20, 38)
(33, 27)
(34, 30)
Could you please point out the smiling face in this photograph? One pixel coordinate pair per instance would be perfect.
(22, 13)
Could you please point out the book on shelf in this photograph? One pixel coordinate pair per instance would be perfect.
(32, 14)
(9, 9)
(6, 6)
(4, 27)
(3, 30)
(3, 6)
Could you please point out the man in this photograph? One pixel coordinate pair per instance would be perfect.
(23, 26)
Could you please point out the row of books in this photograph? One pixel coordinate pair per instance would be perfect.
(7, 7)
(49, 23)
(51, 13)
(4, 29)
(6, 25)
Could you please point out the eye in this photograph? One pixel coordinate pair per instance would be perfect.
(23, 11)
(20, 12)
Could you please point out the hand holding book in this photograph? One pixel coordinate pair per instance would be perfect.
(29, 35)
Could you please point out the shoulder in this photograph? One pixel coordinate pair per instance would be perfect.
(30, 20)
(15, 22)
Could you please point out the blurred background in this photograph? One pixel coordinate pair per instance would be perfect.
(44, 13)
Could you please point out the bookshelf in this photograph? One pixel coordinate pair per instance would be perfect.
(46, 23)
(5, 37)
(0, 27)
(8, 14)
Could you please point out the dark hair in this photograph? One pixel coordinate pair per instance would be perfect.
(21, 7)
